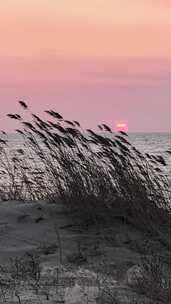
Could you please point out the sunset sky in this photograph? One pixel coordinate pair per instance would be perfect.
(91, 60)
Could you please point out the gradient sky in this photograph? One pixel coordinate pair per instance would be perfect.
(94, 60)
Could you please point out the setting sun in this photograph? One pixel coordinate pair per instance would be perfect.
(121, 126)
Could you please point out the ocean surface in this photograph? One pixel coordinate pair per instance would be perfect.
(152, 143)
(146, 142)
(155, 143)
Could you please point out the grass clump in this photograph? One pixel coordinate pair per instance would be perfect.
(99, 175)
(153, 280)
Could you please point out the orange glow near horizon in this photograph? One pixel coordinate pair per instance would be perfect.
(94, 28)
(92, 60)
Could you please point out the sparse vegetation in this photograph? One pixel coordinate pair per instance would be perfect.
(99, 175)
(153, 280)
(102, 180)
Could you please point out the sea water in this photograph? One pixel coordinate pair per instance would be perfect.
(152, 143)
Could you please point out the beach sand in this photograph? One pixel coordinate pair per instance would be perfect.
(86, 259)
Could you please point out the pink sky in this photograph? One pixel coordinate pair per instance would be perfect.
(94, 60)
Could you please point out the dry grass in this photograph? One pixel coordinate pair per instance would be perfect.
(154, 280)
(99, 175)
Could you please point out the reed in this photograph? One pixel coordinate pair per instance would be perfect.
(100, 175)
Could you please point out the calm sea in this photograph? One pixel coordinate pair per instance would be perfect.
(154, 143)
